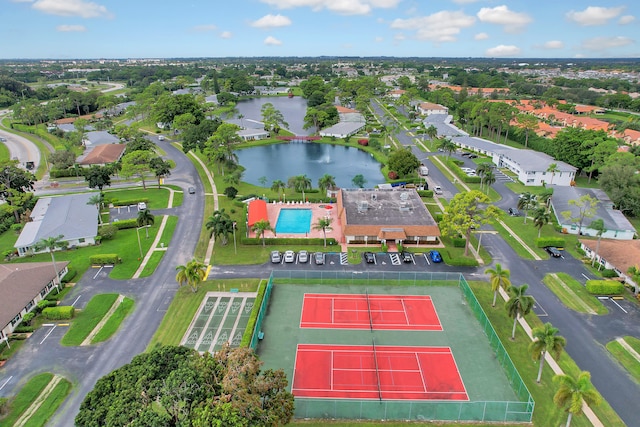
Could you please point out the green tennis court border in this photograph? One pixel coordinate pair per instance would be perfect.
(495, 388)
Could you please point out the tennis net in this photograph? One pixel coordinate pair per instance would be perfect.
(366, 292)
(375, 362)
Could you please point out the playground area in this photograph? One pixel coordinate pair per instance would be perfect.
(375, 350)
(221, 318)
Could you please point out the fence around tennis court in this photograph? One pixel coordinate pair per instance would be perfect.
(486, 411)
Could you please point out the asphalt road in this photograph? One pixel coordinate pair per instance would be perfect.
(21, 148)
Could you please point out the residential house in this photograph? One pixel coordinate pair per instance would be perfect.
(429, 108)
(615, 255)
(102, 155)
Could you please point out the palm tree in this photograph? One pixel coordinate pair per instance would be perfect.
(96, 199)
(277, 186)
(499, 279)
(482, 170)
(518, 305)
(220, 225)
(145, 219)
(192, 274)
(597, 225)
(300, 183)
(323, 224)
(573, 392)
(51, 244)
(526, 202)
(326, 182)
(447, 145)
(553, 168)
(432, 132)
(489, 179)
(541, 216)
(260, 228)
(545, 340)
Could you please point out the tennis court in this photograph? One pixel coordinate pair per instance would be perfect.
(364, 311)
(376, 372)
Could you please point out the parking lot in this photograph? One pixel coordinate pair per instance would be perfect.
(406, 260)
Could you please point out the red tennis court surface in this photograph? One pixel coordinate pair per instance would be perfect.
(351, 311)
(403, 373)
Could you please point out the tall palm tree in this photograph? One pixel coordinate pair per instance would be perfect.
(260, 228)
(220, 225)
(541, 216)
(518, 305)
(325, 182)
(277, 186)
(499, 279)
(489, 179)
(597, 225)
(96, 200)
(300, 183)
(51, 244)
(192, 274)
(527, 201)
(432, 132)
(145, 219)
(323, 224)
(447, 146)
(573, 392)
(482, 170)
(553, 168)
(545, 340)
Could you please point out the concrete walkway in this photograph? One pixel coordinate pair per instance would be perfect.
(33, 408)
(629, 349)
(105, 319)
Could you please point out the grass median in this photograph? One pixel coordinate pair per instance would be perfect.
(88, 319)
(573, 294)
(624, 357)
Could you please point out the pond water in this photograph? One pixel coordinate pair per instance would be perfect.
(282, 161)
(293, 110)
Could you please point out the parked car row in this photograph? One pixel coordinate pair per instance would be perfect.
(290, 257)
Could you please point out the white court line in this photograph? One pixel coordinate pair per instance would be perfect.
(47, 336)
(404, 310)
(424, 384)
(6, 382)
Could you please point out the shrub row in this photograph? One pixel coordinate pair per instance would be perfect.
(253, 318)
(287, 241)
(71, 274)
(453, 165)
(459, 242)
(425, 193)
(103, 259)
(543, 242)
(67, 173)
(128, 202)
(59, 313)
(126, 223)
(604, 287)
(24, 329)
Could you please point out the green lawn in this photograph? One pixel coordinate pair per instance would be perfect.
(626, 359)
(185, 304)
(25, 397)
(88, 319)
(4, 153)
(573, 294)
(158, 197)
(50, 404)
(111, 326)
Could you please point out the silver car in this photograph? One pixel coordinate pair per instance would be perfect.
(303, 256)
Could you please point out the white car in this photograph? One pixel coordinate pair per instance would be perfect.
(437, 189)
(289, 256)
(303, 256)
(142, 206)
(161, 138)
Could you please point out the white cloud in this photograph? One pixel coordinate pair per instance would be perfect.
(511, 21)
(71, 28)
(399, 37)
(481, 36)
(226, 35)
(503, 50)
(594, 15)
(442, 26)
(604, 43)
(79, 8)
(272, 41)
(464, 1)
(378, 39)
(626, 19)
(342, 7)
(22, 1)
(553, 44)
(204, 28)
(272, 21)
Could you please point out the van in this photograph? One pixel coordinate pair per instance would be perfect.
(423, 170)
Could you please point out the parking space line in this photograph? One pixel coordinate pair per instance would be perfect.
(49, 333)
(6, 382)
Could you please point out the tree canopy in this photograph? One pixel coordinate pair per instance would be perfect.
(404, 162)
(176, 386)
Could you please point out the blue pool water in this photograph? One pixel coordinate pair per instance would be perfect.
(294, 221)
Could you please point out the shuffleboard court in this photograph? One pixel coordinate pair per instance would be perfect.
(221, 318)
(377, 372)
(380, 312)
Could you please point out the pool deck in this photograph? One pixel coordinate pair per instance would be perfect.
(318, 211)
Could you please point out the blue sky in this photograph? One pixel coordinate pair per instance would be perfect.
(218, 28)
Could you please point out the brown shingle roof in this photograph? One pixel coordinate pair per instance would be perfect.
(20, 283)
(620, 253)
(103, 154)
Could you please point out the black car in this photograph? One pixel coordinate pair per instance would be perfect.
(465, 154)
(473, 156)
(369, 257)
(553, 251)
(406, 256)
(513, 212)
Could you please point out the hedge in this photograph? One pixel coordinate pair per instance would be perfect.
(288, 241)
(253, 317)
(66, 173)
(604, 287)
(71, 273)
(24, 329)
(425, 193)
(459, 242)
(609, 273)
(102, 259)
(126, 223)
(64, 312)
(128, 202)
(543, 242)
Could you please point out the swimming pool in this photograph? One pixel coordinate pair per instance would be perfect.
(294, 221)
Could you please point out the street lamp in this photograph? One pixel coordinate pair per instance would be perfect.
(138, 234)
(235, 247)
